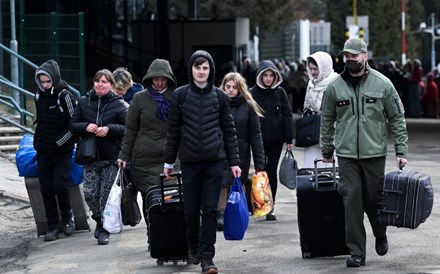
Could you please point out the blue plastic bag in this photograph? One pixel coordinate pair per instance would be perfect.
(26, 157)
(26, 160)
(236, 219)
(76, 171)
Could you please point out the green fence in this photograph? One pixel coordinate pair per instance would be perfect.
(59, 37)
(45, 36)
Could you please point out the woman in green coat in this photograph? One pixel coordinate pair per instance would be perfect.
(146, 127)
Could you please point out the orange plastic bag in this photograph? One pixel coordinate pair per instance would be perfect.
(261, 194)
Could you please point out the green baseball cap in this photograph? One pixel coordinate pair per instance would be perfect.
(354, 46)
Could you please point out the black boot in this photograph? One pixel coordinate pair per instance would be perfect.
(98, 226)
(103, 237)
(69, 223)
(220, 219)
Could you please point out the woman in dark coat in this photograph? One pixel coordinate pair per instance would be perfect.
(277, 123)
(146, 127)
(101, 113)
(246, 113)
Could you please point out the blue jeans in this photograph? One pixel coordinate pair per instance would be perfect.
(201, 190)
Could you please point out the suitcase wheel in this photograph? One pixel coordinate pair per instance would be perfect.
(306, 255)
(160, 262)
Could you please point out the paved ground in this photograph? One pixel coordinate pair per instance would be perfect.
(268, 247)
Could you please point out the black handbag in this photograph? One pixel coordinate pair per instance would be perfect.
(86, 150)
(288, 170)
(307, 130)
(131, 214)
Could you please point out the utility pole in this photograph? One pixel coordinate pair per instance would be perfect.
(355, 17)
(14, 60)
(403, 33)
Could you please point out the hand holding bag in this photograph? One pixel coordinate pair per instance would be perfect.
(261, 194)
(131, 214)
(86, 150)
(236, 219)
(307, 130)
(112, 210)
(288, 170)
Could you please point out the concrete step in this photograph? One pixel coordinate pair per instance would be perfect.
(10, 140)
(8, 156)
(10, 131)
(8, 148)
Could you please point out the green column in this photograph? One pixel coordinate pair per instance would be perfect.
(82, 52)
(54, 35)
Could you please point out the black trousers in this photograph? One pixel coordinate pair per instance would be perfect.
(54, 181)
(359, 185)
(272, 157)
(201, 190)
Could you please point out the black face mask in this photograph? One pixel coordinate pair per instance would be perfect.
(354, 66)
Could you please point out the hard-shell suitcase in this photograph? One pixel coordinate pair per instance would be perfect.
(406, 199)
(165, 222)
(77, 202)
(320, 213)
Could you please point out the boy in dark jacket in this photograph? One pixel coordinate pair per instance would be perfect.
(54, 144)
(201, 129)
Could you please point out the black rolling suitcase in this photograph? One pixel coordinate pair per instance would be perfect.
(406, 199)
(320, 213)
(165, 221)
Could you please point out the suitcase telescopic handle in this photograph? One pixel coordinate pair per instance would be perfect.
(162, 177)
(316, 175)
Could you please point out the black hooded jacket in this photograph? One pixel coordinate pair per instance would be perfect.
(54, 108)
(248, 133)
(277, 123)
(201, 127)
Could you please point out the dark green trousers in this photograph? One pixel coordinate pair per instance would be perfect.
(359, 185)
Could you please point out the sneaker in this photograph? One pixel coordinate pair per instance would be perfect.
(382, 245)
(208, 267)
(103, 237)
(193, 254)
(69, 223)
(271, 216)
(51, 234)
(355, 261)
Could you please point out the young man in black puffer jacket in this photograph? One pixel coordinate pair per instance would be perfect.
(54, 145)
(201, 129)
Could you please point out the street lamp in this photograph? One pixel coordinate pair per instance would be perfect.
(431, 30)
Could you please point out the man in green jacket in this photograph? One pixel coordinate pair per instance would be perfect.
(356, 110)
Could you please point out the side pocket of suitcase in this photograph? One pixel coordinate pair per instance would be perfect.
(390, 201)
(425, 198)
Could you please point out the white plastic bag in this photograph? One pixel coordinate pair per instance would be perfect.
(112, 210)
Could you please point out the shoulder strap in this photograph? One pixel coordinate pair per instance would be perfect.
(221, 96)
(182, 94)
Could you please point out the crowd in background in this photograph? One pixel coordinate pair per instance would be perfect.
(418, 88)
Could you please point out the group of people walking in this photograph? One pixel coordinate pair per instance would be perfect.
(211, 133)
